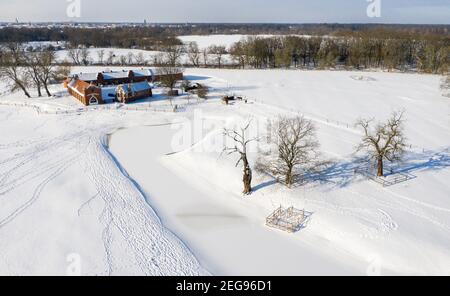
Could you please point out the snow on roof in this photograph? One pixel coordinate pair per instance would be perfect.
(137, 87)
(108, 92)
(87, 76)
(78, 85)
(108, 75)
(143, 72)
(115, 75)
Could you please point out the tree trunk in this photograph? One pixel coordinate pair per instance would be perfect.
(46, 89)
(247, 179)
(380, 172)
(289, 180)
(24, 90)
(39, 91)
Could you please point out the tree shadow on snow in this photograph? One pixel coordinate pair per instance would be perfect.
(343, 173)
(264, 185)
(195, 77)
(426, 161)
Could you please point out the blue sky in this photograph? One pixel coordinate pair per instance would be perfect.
(287, 11)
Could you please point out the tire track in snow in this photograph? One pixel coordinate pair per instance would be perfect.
(33, 163)
(37, 193)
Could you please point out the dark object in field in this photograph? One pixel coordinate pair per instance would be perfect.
(202, 92)
(193, 86)
(173, 93)
(227, 99)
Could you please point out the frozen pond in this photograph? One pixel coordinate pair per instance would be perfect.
(224, 237)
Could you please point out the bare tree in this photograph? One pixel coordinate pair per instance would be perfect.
(218, 52)
(74, 55)
(445, 86)
(295, 145)
(385, 141)
(13, 61)
(140, 59)
(205, 54)
(101, 56)
(169, 95)
(130, 58)
(237, 52)
(34, 70)
(194, 54)
(158, 59)
(169, 71)
(172, 55)
(84, 55)
(61, 72)
(169, 76)
(47, 69)
(241, 142)
(110, 58)
(122, 60)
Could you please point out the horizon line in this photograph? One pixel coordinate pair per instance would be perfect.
(222, 23)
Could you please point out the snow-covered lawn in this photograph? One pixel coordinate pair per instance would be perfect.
(63, 192)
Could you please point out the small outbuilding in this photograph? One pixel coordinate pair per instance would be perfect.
(127, 93)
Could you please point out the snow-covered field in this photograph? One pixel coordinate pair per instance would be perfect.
(118, 53)
(205, 41)
(149, 205)
(148, 56)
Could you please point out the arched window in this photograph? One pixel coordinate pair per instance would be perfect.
(93, 100)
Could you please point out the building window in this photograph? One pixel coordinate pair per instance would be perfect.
(93, 99)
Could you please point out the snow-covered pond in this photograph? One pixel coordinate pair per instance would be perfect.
(227, 238)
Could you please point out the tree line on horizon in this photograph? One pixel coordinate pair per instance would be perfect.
(357, 52)
(93, 33)
(149, 38)
(421, 54)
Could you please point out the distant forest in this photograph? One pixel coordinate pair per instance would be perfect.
(360, 50)
(127, 35)
(308, 29)
(424, 48)
(121, 37)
